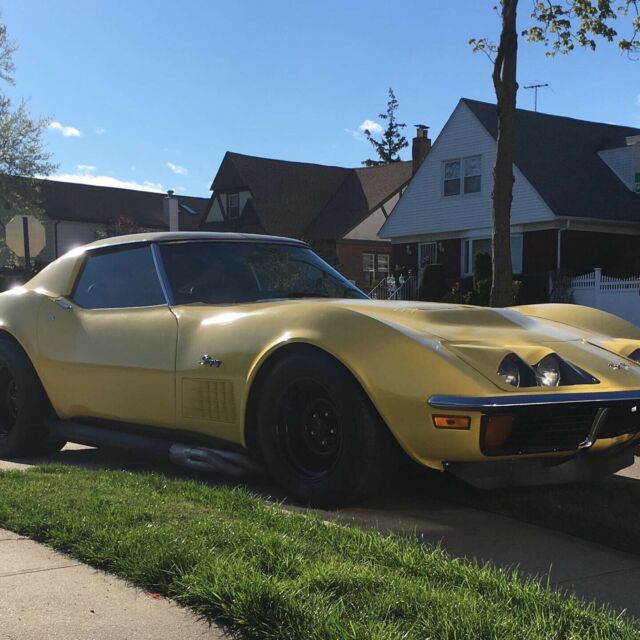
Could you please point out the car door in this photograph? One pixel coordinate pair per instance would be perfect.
(108, 351)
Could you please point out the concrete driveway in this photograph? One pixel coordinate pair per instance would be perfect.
(589, 570)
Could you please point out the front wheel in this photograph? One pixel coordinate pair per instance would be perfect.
(24, 406)
(320, 437)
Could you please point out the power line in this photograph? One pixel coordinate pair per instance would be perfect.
(535, 88)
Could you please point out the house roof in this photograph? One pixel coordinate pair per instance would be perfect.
(362, 192)
(559, 157)
(91, 203)
(300, 199)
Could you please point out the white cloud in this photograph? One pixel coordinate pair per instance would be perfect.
(86, 168)
(177, 169)
(67, 132)
(371, 125)
(100, 130)
(356, 135)
(107, 181)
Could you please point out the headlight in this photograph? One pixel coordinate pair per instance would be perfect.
(551, 371)
(635, 356)
(548, 371)
(514, 371)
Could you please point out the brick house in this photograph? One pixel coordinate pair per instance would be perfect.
(575, 206)
(338, 210)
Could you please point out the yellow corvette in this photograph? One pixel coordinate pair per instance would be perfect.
(229, 352)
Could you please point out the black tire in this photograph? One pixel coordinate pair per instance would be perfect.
(24, 406)
(320, 437)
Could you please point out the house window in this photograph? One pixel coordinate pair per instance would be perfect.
(428, 253)
(383, 264)
(471, 248)
(452, 178)
(233, 205)
(472, 175)
(375, 267)
(463, 176)
(369, 262)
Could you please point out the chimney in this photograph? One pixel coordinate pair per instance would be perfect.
(170, 206)
(421, 146)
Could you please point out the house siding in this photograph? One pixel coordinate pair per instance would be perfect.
(584, 250)
(368, 228)
(623, 161)
(423, 209)
(349, 258)
(449, 257)
(539, 251)
(404, 258)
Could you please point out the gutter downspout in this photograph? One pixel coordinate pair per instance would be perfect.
(55, 239)
(559, 248)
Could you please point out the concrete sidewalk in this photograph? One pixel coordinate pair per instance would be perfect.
(48, 595)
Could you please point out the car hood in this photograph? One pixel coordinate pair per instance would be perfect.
(468, 324)
(482, 336)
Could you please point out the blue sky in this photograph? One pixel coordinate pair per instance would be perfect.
(153, 93)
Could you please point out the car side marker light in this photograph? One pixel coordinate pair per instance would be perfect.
(452, 422)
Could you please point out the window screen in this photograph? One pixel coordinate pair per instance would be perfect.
(452, 178)
(472, 174)
(125, 278)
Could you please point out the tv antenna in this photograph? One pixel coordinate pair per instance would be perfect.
(535, 88)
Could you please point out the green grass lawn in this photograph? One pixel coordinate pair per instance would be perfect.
(607, 512)
(270, 573)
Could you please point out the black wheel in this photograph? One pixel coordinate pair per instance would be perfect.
(24, 406)
(320, 437)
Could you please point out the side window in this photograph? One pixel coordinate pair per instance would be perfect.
(125, 278)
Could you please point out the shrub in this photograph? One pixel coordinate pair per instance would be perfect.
(433, 286)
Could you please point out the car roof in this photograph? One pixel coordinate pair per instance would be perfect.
(58, 277)
(182, 236)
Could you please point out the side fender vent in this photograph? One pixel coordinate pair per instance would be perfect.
(208, 400)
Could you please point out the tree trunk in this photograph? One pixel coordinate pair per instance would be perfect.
(506, 87)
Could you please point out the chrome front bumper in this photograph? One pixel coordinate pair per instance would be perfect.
(470, 403)
(550, 422)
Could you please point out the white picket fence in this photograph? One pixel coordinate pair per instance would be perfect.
(619, 296)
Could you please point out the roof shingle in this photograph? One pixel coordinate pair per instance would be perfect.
(304, 200)
(559, 157)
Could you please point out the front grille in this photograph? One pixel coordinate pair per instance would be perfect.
(545, 428)
(560, 427)
(621, 420)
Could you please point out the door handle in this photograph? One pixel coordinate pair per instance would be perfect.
(61, 302)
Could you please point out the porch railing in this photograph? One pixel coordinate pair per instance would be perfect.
(406, 290)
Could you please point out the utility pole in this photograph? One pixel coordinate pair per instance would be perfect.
(535, 88)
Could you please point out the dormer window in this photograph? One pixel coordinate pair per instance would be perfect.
(463, 175)
(233, 205)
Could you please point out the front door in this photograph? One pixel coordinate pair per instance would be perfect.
(109, 350)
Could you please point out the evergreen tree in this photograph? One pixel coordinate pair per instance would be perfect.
(392, 141)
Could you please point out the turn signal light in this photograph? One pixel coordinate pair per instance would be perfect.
(498, 429)
(452, 422)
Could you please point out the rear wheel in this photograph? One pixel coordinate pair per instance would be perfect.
(24, 406)
(320, 437)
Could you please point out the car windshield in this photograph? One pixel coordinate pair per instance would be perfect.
(234, 272)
